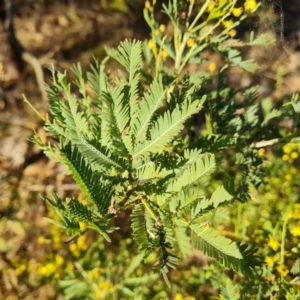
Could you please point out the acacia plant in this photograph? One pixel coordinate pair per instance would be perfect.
(129, 143)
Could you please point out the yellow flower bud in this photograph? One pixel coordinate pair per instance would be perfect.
(41, 240)
(282, 270)
(237, 11)
(261, 152)
(269, 261)
(162, 28)
(295, 231)
(232, 33)
(294, 155)
(211, 5)
(151, 44)
(250, 5)
(212, 66)
(59, 259)
(288, 177)
(228, 23)
(273, 244)
(287, 149)
(285, 157)
(148, 4)
(164, 53)
(190, 43)
(82, 226)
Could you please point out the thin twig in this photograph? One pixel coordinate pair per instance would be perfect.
(262, 144)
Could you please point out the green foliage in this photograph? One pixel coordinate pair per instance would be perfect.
(230, 292)
(129, 143)
(96, 277)
(276, 229)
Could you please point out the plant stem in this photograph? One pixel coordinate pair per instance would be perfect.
(283, 233)
(200, 13)
(152, 213)
(31, 106)
(85, 275)
(262, 144)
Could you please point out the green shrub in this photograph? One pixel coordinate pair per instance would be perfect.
(132, 141)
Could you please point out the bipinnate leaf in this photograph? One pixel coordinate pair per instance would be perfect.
(80, 211)
(90, 182)
(262, 40)
(195, 171)
(224, 250)
(234, 56)
(183, 241)
(152, 100)
(296, 267)
(271, 115)
(148, 172)
(54, 222)
(139, 227)
(129, 55)
(100, 156)
(167, 127)
(230, 292)
(97, 81)
(220, 196)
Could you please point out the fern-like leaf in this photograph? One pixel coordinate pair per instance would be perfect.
(139, 226)
(183, 241)
(70, 225)
(167, 127)
(220, 196)
(121, 108)
(90, 182)
(148, 172)
(166, 259)
(80, 210)
(153, 99)
(224, 250)
(193, 173)
(230, 292)
(97, 80)
(296, 267)
(129, 55)
(100, 156)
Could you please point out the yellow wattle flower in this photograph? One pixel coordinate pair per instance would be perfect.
(212, 66)
(287, 149)
(285, 157)
(237, 11)
(261, 152)
(232, 33)
(164, 53)
(295, 231)
(273, 244)
(211, 5)
(148, 4)
(162, 28)
(190, 43)
(228, 23)
(269, 261)
(151, 44)
(250, 5)
(282, 270)
(82, 226)
(294, 155)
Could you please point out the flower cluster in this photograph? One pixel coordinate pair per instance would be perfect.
(290, 152)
